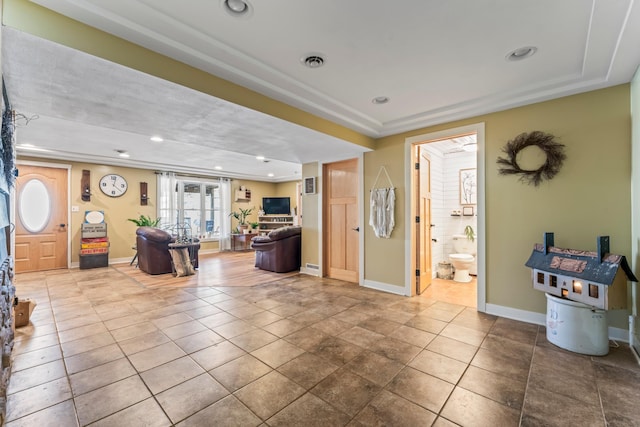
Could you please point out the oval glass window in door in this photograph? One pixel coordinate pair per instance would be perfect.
(35, 206)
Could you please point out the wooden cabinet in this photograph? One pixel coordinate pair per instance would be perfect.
(271, 222)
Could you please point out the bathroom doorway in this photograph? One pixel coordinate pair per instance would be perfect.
(454, 218)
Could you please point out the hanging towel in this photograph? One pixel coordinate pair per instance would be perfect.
(381, 217)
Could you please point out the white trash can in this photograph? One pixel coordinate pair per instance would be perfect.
(577, 327)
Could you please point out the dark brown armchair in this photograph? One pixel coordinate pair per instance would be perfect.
(279, 251)
(153, 250)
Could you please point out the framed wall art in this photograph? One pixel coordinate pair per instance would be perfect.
(468, 187)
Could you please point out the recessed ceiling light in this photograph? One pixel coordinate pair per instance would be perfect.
(313, 60)
(521, 53)
(259, 157)
(218, 168)
(156, 138)
(380, 100)
(237, 8)
(270, 175)
(122, 153)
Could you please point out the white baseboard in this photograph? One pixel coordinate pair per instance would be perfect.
(385, 287)
(517, 314)
(616, 334)
(310, 271)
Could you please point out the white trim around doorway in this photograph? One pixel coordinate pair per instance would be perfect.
(478, 129)
(13, 201)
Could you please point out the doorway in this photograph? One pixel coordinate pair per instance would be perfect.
(447, 183)
(41, 234)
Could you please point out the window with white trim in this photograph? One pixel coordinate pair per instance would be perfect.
(196, 207)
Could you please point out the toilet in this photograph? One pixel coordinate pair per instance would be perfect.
(463, 258)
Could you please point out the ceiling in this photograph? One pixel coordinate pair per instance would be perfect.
(435, 61)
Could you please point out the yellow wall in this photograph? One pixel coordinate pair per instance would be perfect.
(258, 191)
(635, 189)
(288, 189)
(589, 197)
(37, 20)
(118, 210)
(310, 219)
(122, 233)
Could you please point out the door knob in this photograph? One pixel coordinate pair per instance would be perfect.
(63, 225)
(356, 229)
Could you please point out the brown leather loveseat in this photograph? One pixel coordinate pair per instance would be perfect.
(153, 250)
(279, 251)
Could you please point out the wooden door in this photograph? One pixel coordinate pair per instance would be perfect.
(423, 227)
(41, 238)
(342, 251)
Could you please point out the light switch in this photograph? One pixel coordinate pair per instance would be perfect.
(75, 209)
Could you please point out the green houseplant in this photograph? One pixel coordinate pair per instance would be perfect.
(145, 221)
(468, 231)
(241, 216)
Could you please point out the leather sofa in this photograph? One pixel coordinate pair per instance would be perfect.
(153, 250)
(279, 251)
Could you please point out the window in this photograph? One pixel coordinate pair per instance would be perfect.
(541, 278)
(577, 287)
(197, 207)
(554, 281)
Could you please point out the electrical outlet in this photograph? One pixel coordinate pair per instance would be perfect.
(75, 209)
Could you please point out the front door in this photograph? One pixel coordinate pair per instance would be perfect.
(341, 220)
(41, 238)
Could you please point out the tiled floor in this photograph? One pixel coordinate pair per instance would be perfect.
(103, 350)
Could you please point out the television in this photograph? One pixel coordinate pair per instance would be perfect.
(276, 205)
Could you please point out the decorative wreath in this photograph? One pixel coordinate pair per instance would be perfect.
(544, 141)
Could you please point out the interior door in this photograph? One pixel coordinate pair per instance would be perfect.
(423, 242)
(341, 220)
(41, 238)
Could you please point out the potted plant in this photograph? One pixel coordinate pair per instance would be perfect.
(254, 226)
(241, 216)
(145, 221)
(468, 231)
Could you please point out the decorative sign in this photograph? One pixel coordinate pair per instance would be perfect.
(310, 185)
(94, 217)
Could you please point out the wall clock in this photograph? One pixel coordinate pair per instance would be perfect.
(113, 185)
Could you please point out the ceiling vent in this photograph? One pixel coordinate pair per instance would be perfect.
(313, 61)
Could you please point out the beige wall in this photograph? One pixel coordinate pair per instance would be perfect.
(118, 210)
(288, 189)
(635, 190)
(589, 197)
(258, 191)
(122, 233)
(310, 219)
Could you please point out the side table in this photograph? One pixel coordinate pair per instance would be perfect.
(241, 242)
